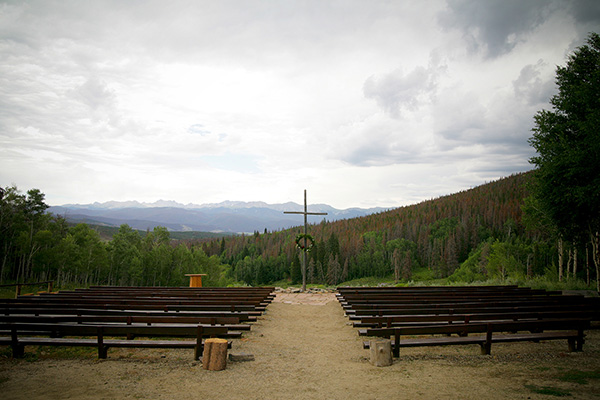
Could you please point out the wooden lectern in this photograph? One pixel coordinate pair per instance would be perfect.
(195, 279)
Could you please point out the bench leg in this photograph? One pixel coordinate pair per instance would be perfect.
(580, 340)
(18, 350)
(397, 344)
(102, 352)
(198, 349)
(102, 349)
(572, 345)
(486, 348)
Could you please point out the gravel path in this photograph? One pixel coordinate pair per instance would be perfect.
(304, 348)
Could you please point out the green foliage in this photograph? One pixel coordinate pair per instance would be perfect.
(505, 259)
(580, 377)
(7, 293)
(423, 275)
(567, 141)
(368, 281)
(38, 247)
(25, 229)
(442, 228)
(474, 268)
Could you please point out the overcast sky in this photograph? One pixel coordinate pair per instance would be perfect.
(362, 103)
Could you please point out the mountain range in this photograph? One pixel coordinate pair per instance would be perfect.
(227, 216)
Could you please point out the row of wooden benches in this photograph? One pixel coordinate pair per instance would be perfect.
(429, 316)
(106, 317)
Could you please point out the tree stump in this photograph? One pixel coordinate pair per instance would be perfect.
(214, 357)
(381, 353)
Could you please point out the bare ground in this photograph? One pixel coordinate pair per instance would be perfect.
(305, 348)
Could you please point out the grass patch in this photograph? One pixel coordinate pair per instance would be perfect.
(66, 352)
(580, 377)
(284, 283)
(5, 352)
(7, 293)
(369, 281)
(548, 390)
(35, 353)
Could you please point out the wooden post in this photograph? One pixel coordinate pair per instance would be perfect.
(381, 353)
(214, 357)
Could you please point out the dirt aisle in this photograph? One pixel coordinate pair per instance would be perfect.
(304, 348)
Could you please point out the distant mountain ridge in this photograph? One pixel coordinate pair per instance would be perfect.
(227, 216)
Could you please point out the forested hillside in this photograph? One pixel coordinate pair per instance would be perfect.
(428, 240)
(473, 235)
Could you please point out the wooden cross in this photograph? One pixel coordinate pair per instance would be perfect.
(306, 214)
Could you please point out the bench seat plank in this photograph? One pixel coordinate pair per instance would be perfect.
(106, 343)
(437, 341)
(481, 340)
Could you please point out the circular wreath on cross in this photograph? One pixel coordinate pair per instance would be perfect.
(305, 245)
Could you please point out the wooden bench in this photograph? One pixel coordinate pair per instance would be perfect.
(371, 298)
(231, 323)
(478, 308)
(57, 332)
(570, 329)
(444, 302)
(57, 299)
(93, 315)
(263, 295)
(166, 307)
(57, 310)
(440, 319)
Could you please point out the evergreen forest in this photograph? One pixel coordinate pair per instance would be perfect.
(473, 236)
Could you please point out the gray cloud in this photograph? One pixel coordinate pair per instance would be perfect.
(297, 93)
(96, 94)
(586, 11)
(397, 91)
(496, 26)
(531, 87)
(379, 153)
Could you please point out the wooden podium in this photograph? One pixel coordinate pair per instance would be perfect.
(195, 279)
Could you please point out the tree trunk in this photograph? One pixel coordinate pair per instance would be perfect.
(587, 265)
(396, 262)
(574, 261)
(214, 357)
(569, 261)
(560, 259)
(596, 256)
